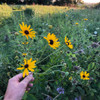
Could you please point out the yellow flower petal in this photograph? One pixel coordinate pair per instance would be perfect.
(27, 73)
(29, 61)
(24, 72)
(21, 68)
(25, 61)
(32, 70)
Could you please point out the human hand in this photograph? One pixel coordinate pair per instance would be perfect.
(16, 88)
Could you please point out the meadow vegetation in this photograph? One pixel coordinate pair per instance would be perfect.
(58, 68)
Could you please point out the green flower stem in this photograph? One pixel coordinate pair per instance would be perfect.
(43, 51)
(30, 45)
(56, 97)
(46, 95)
(50, 55)
(50, 69)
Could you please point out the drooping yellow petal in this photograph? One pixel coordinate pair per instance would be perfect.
(27, 73)
(21, 64)
(45, 38)
(32, 70)
(24, 72)
(21, 68)
(70, 46)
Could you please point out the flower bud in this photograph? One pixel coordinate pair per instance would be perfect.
(50, 26)
(16, 33)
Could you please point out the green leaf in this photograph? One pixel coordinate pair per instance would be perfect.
(31, 97)
(66, 98)
(25, 96)
(66, 73)
(1, 97)
(68, 62)
(81, 90)
(89, 67)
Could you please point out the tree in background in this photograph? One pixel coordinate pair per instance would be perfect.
(64, 2)
(44, 2)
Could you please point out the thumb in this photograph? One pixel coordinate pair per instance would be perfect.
(27, 79)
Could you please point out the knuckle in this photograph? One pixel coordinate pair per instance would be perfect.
(10, 80)
(23, 84)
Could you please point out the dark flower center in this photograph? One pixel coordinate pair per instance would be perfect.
(67, 43)
(83, 76)
(26, 32)
(26, 66)
(51, 42)
(60, 90)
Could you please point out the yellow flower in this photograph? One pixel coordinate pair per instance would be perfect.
(76, 23)
(84, 75)
(25, 30)
(24, 54)
(85, 19)
(66, 15)
(70, 78)
(52, 41)
(50, 26)
(28, 65)
(25, 42)
(68, 43)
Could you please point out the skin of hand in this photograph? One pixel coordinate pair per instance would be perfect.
(16, 88)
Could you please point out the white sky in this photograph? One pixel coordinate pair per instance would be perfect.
(91, 1)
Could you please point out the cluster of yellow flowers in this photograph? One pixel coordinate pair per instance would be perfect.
(85, 19)
(53, 43)
(51, 38)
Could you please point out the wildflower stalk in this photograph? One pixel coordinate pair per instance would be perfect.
(30, 45)
(43, 51)
(50, 55)
(45, 94)
(50, 72)
(56, 97)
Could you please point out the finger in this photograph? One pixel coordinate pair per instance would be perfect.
(32, 80)
(27, 89)
(17, 77)
(27, 79)
(30, 84)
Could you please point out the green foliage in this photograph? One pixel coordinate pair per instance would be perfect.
(29, 12)
(54, 67)
(17, 7)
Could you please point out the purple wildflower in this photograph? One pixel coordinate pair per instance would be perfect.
(94, 45)
(60, 90)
